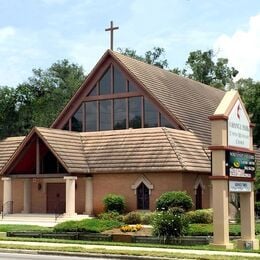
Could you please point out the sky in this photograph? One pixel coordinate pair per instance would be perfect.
(37, 33)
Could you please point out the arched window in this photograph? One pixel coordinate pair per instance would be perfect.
(199, 197)
(142, 188)
(142, 197)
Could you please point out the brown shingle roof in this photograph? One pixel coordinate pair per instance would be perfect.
(144, 150)
(188, 102)
(191, 102)
(8, 147)
(133, 150)
(67, 147)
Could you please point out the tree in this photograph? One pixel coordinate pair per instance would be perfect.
(8, 112)
(250, 93)
(38, 101)
(153, 56)
(203, 68)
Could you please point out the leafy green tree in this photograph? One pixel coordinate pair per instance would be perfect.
(8, 112)
(203, 68)
(38, 101)
(250, 93)
(154, 56)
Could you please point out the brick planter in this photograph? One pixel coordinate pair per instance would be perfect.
(122, 238)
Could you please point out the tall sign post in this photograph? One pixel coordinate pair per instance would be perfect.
(233, 168)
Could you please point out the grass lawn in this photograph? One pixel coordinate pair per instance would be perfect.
(74, 249)
(11, 227)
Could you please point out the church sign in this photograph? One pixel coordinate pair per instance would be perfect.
(238, 127)
(240, 186)
(240, 164)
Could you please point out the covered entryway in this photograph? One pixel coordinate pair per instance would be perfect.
(56, 197)
(43, 173)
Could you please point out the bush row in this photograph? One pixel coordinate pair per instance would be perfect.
(87, 225)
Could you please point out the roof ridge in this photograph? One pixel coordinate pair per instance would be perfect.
(168, 71)
(174, 147)
(177, 120)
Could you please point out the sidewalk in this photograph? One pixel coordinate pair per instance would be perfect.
(127, 248)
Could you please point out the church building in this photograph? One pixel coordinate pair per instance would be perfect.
(132, 129)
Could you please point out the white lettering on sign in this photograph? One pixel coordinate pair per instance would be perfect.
(240, 186)
(238, 127)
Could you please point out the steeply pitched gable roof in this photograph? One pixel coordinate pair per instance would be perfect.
(67, 147)
(133, 150)
(188, 102)
(191, 102)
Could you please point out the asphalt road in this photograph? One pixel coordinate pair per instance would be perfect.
(16, 256)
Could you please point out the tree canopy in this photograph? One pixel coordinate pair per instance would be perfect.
(39, 100)
(154, 56)
(201, 67)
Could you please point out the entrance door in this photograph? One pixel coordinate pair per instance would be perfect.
(142, 197)
(56, 197)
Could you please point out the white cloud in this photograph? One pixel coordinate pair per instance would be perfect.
(242, 49)
(6, 32)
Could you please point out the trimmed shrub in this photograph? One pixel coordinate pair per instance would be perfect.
(86, 225)
(133, 218)
(173, 199)
(207, 230)
(147, 218)
(200, 230)
(202, 216)
(111, 215)
(168, 224)
(67, 226)
(115, 203)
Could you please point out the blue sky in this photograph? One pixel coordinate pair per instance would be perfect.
(37, 33)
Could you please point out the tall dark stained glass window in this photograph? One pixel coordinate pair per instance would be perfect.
(142, 197)
(91, 116)
(76, 120)
(119, 81)
(105, 115)
(135, 112)
(150, 114)
(120, 113)
(105, 83)
(199, 197)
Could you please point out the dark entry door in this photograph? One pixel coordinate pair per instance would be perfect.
(56, 198)
(142, 197)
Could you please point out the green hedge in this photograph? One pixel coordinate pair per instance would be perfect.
(87, 225)
(114, 202)
(174, 199)
(201, 216)
(207, 230)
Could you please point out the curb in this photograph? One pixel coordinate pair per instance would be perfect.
(86, 255)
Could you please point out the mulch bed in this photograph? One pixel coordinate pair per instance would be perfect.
(145, 231)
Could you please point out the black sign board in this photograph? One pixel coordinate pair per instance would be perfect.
(240, 164)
